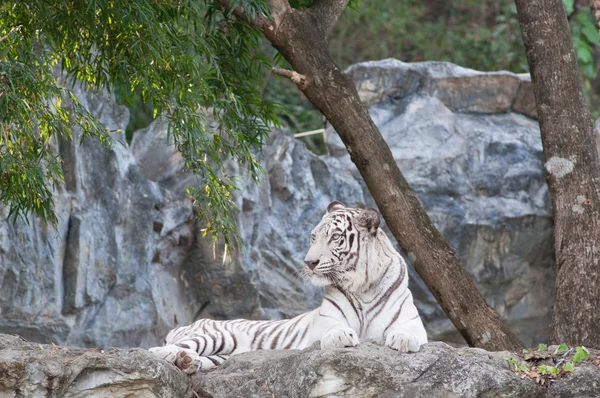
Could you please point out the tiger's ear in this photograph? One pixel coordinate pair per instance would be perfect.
(335, 205)
(369, 219)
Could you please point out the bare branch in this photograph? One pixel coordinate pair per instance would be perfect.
(328, 12)
(300, 80)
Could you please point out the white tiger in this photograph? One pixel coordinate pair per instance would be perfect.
(366, 297)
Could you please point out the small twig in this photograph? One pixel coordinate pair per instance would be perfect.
(312, 132)
(70, 361)
(300, 80)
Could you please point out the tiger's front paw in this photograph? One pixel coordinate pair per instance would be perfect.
(402, 342)
(339, 338)
(188, 362)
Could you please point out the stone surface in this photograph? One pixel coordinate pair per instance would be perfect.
(368, 370)
(127, 262)
(99, 277)
(29, 370)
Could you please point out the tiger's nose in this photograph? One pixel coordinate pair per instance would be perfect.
(311, 263)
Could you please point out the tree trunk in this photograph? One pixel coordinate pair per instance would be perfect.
(302, 38)
(572, 169)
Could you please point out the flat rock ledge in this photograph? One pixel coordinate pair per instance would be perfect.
(370, 370)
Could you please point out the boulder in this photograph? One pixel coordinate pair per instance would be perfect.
(31, 370)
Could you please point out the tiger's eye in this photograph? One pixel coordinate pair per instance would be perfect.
(336, 236)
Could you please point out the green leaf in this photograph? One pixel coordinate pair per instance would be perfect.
(569, 367)
(562, 348)
(523, 368)
(584, 55)
(543, 369)
(553, 370)
(581, 354)
(525, 351)
(591, 33)
(569, 6)
(542, 347)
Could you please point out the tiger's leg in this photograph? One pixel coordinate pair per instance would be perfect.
(212, 342)
(207, 343)
(333, 328)
(407, 333)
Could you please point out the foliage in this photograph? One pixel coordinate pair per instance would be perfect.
(542, 347)
(562, 348)
(33, 110)
(482, 35)
(516, 365)
(585, 42)
(581, 354)
(542, 364)
(169, 59)
(181, 56)
(469, 33)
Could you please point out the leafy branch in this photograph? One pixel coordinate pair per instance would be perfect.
(193, 61)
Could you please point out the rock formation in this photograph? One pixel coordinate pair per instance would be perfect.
(31, 370)
(126, 261)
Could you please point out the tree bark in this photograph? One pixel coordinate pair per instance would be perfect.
(302, 38)
(572, 169)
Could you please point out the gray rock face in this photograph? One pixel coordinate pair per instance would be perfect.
(94, 280)
(127, 262)
(33, 370)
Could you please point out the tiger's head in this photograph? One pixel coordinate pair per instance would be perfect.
(339, 245)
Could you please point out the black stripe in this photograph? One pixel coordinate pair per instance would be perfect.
(214, 340)
(388, 292)
(234, 342)
(222, 344)
(395, 317)
(264, 334)
(276, 340)
(358, 314)
(289, 345)
(195, 340)
(256, 334)
(336, 306)
(303, 335)
(217, 363)
(291, 326)
(205, 345)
